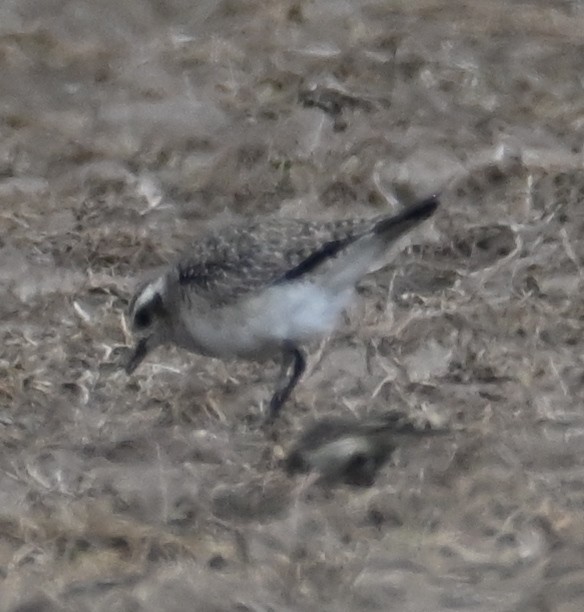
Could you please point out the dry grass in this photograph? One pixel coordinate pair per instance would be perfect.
(126, 129)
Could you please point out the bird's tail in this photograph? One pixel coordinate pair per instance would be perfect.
(371, 250)
(391, 228)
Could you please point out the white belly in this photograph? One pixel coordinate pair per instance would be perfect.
(257, 327)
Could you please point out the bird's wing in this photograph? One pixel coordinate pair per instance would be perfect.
(242, 259)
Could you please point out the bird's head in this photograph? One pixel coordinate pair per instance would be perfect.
(148, 317)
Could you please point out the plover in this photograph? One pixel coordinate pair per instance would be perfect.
(352, 451)
(262, 289)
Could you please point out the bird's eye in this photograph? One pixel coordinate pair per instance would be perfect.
(358, 461)
(148, 312)
(142, 318)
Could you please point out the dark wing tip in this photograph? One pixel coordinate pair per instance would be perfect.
(424, 209)
(409, 217)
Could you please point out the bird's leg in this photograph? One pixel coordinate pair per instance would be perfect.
(294, 357)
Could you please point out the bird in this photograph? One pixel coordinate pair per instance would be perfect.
(349, 450)
(262, 289)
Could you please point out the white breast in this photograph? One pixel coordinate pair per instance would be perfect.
(258, 326)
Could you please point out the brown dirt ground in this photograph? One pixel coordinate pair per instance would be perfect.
(127, 128)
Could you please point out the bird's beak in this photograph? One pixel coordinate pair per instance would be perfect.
(139, 352)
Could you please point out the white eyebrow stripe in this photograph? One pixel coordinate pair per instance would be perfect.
(149, 293)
